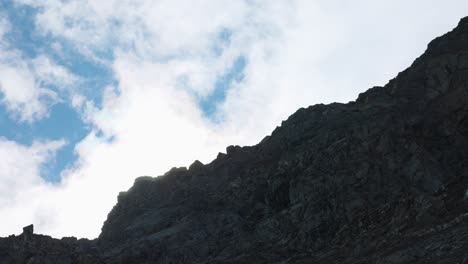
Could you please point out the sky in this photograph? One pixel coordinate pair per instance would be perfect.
(96, 93)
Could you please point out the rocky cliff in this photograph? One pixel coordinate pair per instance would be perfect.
(382, 180)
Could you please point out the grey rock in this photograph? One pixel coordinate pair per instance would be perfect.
(29, 230)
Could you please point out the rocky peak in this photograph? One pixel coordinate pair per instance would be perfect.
(337, 178)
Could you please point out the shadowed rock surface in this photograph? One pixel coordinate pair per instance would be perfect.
(382, 180)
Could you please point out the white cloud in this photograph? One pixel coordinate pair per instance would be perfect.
(298, 53)
(24, 83)
(50, 73)
(20, 91)
(20, 182)
(17, 84)
(4, 27)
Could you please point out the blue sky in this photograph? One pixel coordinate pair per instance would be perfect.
(223, 83)
(96, 93)
(63, 121)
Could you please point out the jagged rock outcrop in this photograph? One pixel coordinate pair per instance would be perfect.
(30, 248)
(382, 180)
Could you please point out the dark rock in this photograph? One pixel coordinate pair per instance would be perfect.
(28, 230)
(220, 155)
(195, 165)
(379, 180)
(231, 149)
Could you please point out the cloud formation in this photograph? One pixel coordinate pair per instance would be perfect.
(25, 84)
(21, 184)
(168, 56)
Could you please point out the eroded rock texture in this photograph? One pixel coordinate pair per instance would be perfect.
(382, 180)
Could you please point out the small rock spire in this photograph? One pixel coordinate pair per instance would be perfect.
(28, 232)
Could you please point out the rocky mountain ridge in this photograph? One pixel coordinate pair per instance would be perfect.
(382, 180)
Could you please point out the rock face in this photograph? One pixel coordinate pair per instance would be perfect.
(379, 180)
(28, 248)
